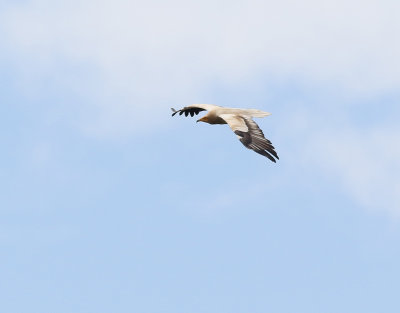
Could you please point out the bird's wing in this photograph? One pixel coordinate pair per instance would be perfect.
(194, 109)
(250, 112)
(250, 135)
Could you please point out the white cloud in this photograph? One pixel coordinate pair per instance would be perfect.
(150, 53)
(360, 158)
(124, 57)
(365, 163)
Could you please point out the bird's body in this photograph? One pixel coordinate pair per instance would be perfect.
(212, 117)
(241, 123)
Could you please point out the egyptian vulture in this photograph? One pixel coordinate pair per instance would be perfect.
(241, 123)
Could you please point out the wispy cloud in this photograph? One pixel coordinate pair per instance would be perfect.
(123, 58)
(360, 156)
(147, 54)
(365, 162)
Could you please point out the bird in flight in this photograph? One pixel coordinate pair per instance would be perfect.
(241, 123)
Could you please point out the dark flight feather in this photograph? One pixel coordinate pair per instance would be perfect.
(254, 139)
(192, 111)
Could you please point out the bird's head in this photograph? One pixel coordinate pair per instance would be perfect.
(203, 119)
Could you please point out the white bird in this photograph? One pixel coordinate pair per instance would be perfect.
(241, 123)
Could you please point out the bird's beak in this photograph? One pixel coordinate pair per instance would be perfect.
(197, 121)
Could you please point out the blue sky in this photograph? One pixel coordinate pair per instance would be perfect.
(109, 204)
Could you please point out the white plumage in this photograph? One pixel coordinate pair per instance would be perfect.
(241, 123)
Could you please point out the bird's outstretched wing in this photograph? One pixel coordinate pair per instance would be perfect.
(194, 109)
(250, 135)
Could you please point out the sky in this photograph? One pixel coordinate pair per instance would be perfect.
(108, 204)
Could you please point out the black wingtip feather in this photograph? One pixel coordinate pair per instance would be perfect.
(266, 154)
(187, 111)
